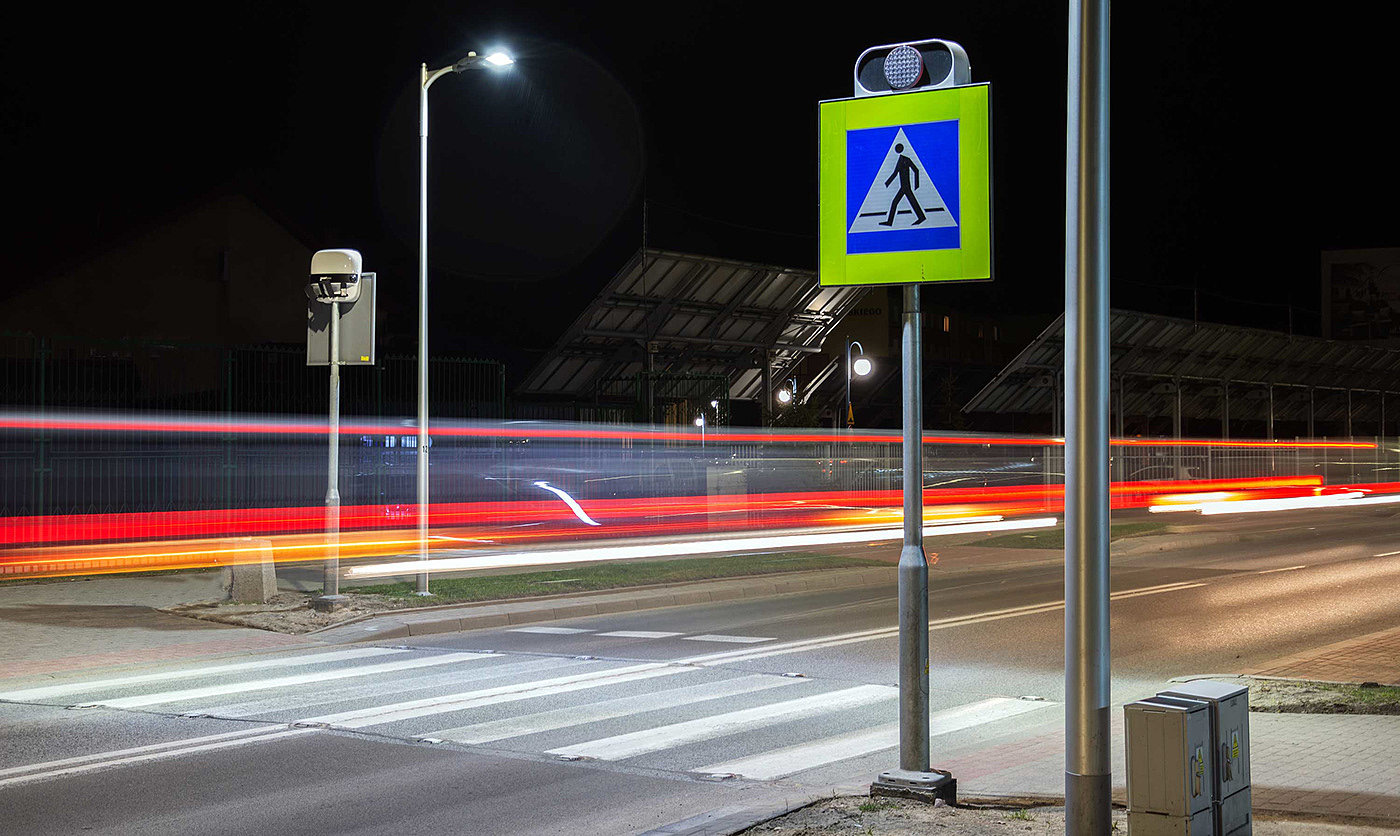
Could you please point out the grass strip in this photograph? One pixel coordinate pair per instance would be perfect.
(607, 576)
(1054, 538)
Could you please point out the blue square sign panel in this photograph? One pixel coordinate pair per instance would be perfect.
(902, 188)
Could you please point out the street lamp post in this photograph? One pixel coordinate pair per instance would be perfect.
(860, 368)
(472, 61)
(700, 422)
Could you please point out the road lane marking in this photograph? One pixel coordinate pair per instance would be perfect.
(655, 739)
(47, 691)
(1140, 593)
(550, 631)
(712, 637)
(767, 766)
(640, 634)
(174, 748)
(1284, 569)
(608, 709)
(143, 700)
(873, 534)
(825, 642)
(493, 696)
(1386, 554)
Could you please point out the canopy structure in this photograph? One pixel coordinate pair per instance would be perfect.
(671, 316)
(1199, 372)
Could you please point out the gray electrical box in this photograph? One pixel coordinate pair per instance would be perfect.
(1169, 767)
(356, 328)
(1229, 714)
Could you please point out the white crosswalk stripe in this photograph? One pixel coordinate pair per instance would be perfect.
(492, 696)
(49, 691)
(640, 634)
(378, 690)
(712, 637)
(608, 709)
(550, 631)
(143, 700)
(767, 766)
(707, 728)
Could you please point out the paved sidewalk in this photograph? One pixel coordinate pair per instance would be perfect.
(1371, 658)
(106, 622)
(1317, 764)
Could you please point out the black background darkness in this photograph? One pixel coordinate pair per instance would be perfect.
(1244, 142)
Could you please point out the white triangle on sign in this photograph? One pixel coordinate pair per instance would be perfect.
(894, 183)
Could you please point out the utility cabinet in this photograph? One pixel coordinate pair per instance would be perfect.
(1229, 721)
(1170, 767)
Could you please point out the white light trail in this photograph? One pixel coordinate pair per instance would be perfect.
(569, 501)
(1250, 506)
(686, 548)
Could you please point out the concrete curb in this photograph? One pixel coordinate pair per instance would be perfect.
(398, 624)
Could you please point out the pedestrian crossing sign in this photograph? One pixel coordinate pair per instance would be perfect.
(906, 188)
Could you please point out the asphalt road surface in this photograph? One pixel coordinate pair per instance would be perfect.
(628, 722)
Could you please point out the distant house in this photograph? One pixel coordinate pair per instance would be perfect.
(220, 271)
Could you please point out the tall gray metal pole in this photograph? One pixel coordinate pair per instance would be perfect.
(426, 79)
(913, 563)
(1088, 773)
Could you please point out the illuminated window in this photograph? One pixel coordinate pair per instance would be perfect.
(946, 324)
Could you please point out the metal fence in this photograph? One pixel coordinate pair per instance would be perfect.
(100, 471)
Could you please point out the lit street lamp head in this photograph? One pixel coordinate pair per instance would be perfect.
(496, 60)
(861, 367)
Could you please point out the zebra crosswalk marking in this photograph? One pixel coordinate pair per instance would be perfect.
(641, 742)
(143, 700)
(777, 763)
(492, 696)
(48, 691)
(608, 709)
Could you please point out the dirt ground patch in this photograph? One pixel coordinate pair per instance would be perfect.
(864, 816)
(1296, 696)
(287, 612)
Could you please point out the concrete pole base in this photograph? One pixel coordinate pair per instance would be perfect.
(920, 786)
(329, 603)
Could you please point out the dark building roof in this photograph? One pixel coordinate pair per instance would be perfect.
(696, 315)
(1150, 355)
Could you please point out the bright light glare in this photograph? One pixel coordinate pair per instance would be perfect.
(679, 548)
(784, 396)
(499, 59)
(700, 421)
(1289, 504)
(861, 366)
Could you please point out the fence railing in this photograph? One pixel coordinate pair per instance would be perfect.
(79, 464)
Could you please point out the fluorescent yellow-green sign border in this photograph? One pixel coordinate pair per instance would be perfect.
(972, 261)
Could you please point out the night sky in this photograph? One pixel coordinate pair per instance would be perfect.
(1243, 143)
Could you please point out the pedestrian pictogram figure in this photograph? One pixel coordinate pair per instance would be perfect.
(902, 169)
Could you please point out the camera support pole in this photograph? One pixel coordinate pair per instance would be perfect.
(330, 596)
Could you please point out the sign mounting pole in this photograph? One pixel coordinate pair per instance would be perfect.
(330, 574)
(913, 563)
(906, 200)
